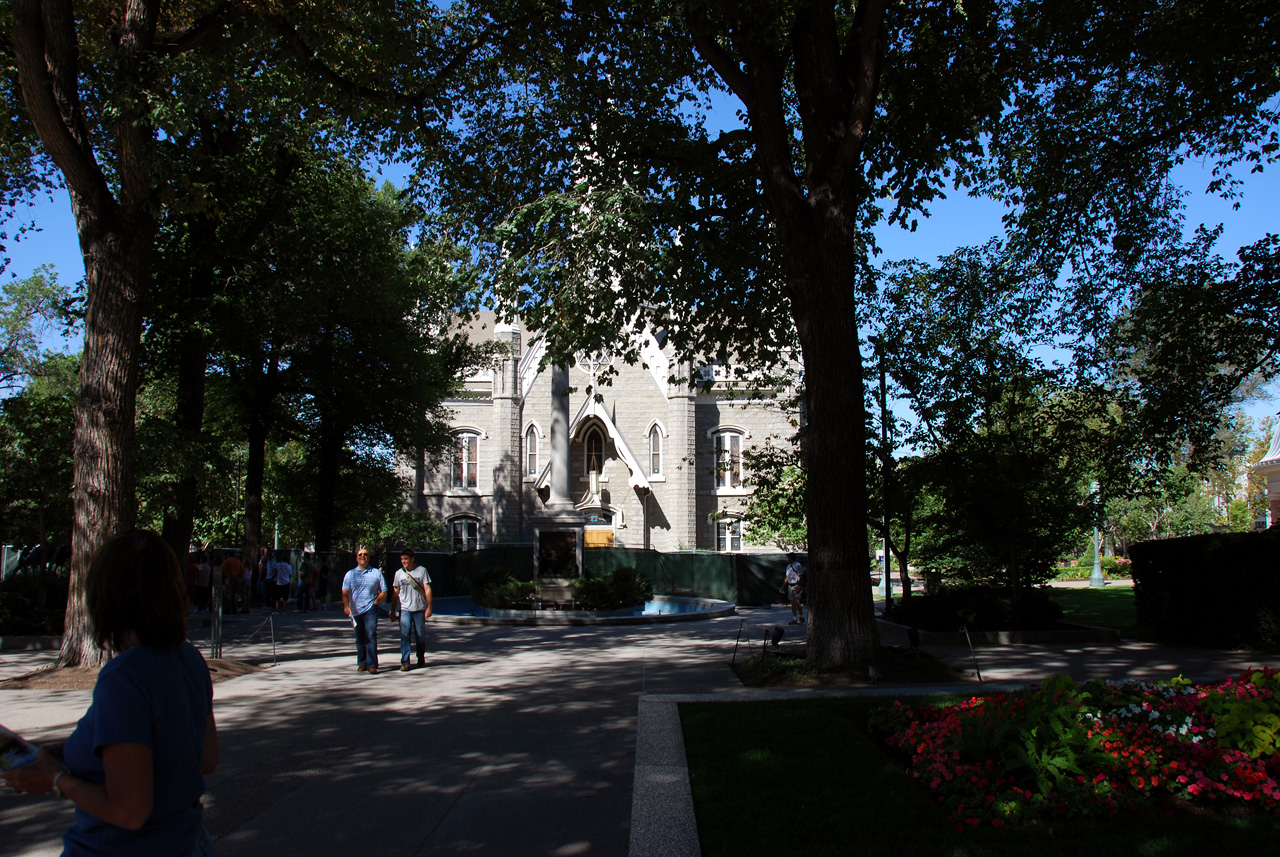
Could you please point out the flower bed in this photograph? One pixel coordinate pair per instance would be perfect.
(1095, 749)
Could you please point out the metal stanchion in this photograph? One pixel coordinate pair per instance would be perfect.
(215, 621)
(734, 660)
(972, 653)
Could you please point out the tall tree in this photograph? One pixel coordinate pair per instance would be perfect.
(103, 93)
(759, 238)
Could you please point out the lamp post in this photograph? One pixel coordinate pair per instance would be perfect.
(1095, 578)
(886, 586)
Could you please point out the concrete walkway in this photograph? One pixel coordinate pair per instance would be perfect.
(513, 741)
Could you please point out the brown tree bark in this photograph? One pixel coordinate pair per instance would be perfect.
(325, 512)
(188, 414)
(261, 395)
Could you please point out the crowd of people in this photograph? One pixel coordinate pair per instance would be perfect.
(270, 582)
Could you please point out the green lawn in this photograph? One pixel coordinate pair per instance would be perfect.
(1110, 607)
(801, 778)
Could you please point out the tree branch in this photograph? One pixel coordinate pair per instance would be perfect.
(202, 31)
(47, 57)
(136, 136)
(717, 57)
(864, 59)
(358, 90)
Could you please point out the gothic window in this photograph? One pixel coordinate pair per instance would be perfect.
(466, 461)
(728, 460)
(729, 535)
(464, 533)
(531, 451)
(594, 449)
(655, 451)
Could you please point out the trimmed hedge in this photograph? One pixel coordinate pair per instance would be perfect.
(1220, 590)
(32, 602)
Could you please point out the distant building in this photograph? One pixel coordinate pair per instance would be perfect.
(649, 464)
(1269, 469)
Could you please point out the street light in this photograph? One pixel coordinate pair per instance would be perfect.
(1095, 578)
(886, 585)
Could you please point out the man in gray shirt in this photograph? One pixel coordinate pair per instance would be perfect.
(412, 586)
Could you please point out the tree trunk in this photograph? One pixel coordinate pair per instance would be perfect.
(261, 397)
(254, 468)
(816, 208)
(188, 415)
(115, 222)
(842, 627)
(325, 513)
(104, 501)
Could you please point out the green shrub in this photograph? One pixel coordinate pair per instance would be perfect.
(33, 603)
(980, 608)
(616, 590)
(1113, 568)
(498, 588)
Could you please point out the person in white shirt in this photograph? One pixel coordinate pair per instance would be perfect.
(795, 589)
(412, 586)
(283, 575)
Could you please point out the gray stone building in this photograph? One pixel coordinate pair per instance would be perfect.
(651, 464)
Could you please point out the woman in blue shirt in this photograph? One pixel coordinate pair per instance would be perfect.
(134, 765)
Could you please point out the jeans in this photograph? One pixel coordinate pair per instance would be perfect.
(412, 622)
(367, 638)
(304, 596)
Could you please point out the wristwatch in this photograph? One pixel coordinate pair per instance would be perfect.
(57, 787)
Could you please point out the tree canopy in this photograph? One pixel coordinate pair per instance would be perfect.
(757, 240)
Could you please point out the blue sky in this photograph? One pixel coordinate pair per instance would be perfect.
(954, 222)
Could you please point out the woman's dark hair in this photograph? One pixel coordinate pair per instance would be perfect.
(135, 583)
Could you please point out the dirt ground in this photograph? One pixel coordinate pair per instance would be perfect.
(787, 668)
(83, 678)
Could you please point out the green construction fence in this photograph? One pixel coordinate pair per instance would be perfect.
(745, 579)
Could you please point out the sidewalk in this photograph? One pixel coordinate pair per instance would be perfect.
(513, 741)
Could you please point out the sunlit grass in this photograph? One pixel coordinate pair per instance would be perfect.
(1110, 607)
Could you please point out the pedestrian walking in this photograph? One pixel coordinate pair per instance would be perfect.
(412, 586)
(363, 589)
(283, 576)
(795, 589)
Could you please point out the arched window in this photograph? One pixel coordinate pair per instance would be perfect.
(531, 451)
(464, 533)
(655, 451)
(594, 449)
(728, 460)
(466, 461)
(729, 535)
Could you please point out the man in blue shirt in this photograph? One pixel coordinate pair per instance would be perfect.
(363, 589)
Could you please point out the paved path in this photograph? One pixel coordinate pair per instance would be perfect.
(514, 741)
